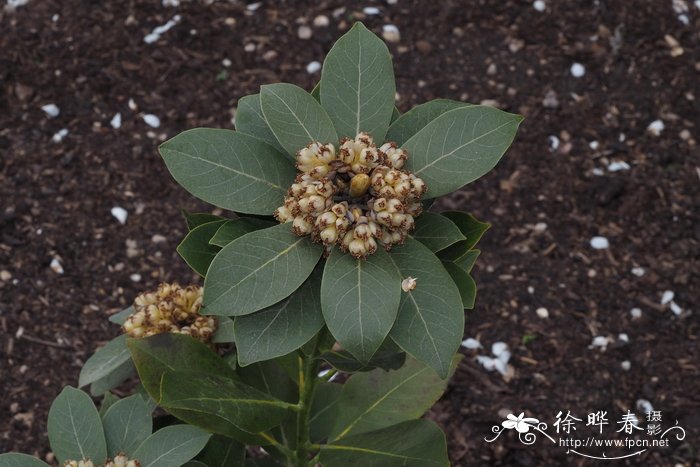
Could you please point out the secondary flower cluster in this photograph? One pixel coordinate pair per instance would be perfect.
(356, 197)
(120, 460)
(171, 308)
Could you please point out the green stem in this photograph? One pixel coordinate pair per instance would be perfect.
(308, 377)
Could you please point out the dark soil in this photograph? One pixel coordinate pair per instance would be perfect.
(56, 197)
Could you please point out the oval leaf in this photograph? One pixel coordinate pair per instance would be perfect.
(323, 410)
(472, 228)
(430, 322)
(250, 120)
(120, 317)
(75, 428)
(295, 117)
(120, 374)
(235, 228)
(360, 299)
(436, 231)
(258, 270)
(126, 424)
(105, 361)
(14, 459)
(465, 284)
(195, 248)
(460, 255)
(283, 327)
(379, 398)
(228, 169)
(460, 146)
(224, 331)
(417, 443)
(418, 117)
(358, 88)
(221, 451)
(171, 446)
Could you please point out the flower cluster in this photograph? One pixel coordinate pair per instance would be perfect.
(82, 463)
(171, 308)
(356, 197)
(120, 460)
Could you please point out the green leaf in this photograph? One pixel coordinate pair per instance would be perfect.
(194, 463)
(230, 170)
(157, 354)
(282, 327)
(261, 462)
(436, 232)
(394, 115)
(224, 331)
(120, 318)
(465, 259)
(388, 357)
(126, 424)
(75, 428)
(271, 378)
(418, 117)
(221, 451)
(258, 270)
(13, 459)
(360, 299)
(195, 248)
(218, 404)
(460, 146)
(470, 226)
(250, 120)
(120, 374)
(358, 90)
(324, 409)
(416, 443)
(171, 446)
(295, 117)
(108, 400)
(195, 219)
(105, 361)
(430, 322)
(377, 399)
(235, 228)
(465, 284)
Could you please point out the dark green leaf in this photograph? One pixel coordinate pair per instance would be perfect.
(394, 115)
(108, 400)
(258, 270)
(195, 248)
(126, 424)
(120, 374)
(358, 90)
(105, 361)
(282, 327)
(359, 299)
(470, 227)
(416, 443)
(460, 146)
(228, 169)
(418, 117)
(13, 459)
(195, 219)
(250, 120)
(224, 331)
(171, 446)
(431, 316)
(465, 284)
(235, 228)
(221, 451)
(120, 318)
(75, 427)
(436, 232)
(324, 409)
(388, 357)
(270, 378)
(295, 117)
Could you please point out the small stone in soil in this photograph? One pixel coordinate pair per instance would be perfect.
(539, 5)
(616, 166)
(600, 243)
(578, 70)
(638, 271)
(151, 120)
(675, 308)
(120, 214)
(626, 365)
(56, 266)
(371, 11)
(667, 297)
(135, 277)
(656, 127)
(600, 341)
(553, 142)
(304, 32)
(644, 406)
(51, 110)
(59, 135)
(313, 67)
(623, 337)
(471, 344)
(636, 313)
(391, 33)
(542, 312)
(321, 21)
(116, 121)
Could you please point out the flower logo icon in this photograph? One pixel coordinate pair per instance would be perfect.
(521, 423)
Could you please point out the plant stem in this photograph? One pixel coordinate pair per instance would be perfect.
(308, 377)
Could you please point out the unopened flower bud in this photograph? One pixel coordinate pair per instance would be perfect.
(359, 185)
(408, 284)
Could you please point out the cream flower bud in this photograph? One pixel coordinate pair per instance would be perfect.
(329, 235)
(301, 226)
(394, 205)
(359, 185)
(357, 248)
(408, 284)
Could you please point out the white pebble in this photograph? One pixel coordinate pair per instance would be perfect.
(530, 289)
(487, 362)
(500, 366)
(638, 271)
(167, 3)
(539, 5)
(553, 142)
(254, 6)
(636, 313)
(626, 365)
(600, 341)
(160, 30)
(304, 32)
(313, 67)
(391, 33)
(656, 127)
(51, 110)
(675, 308)
(120, 214)
(55, 17)
(370, 10)
(116, 121)
(498, 348)
(132, 104)
(135, 277)
(249, 47)
(226, 62)
(578, 70)
(157, 238)
(594, 145)
(471, 344)
(667, 297)
(394, 2)
(321, 21)
(12, 4)
(59, 135)
(598, 171)
(617, 166)
(151, 120)
(542, 312)
(600, 243)
(56, 266)
(623, 337)
(644, 406)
